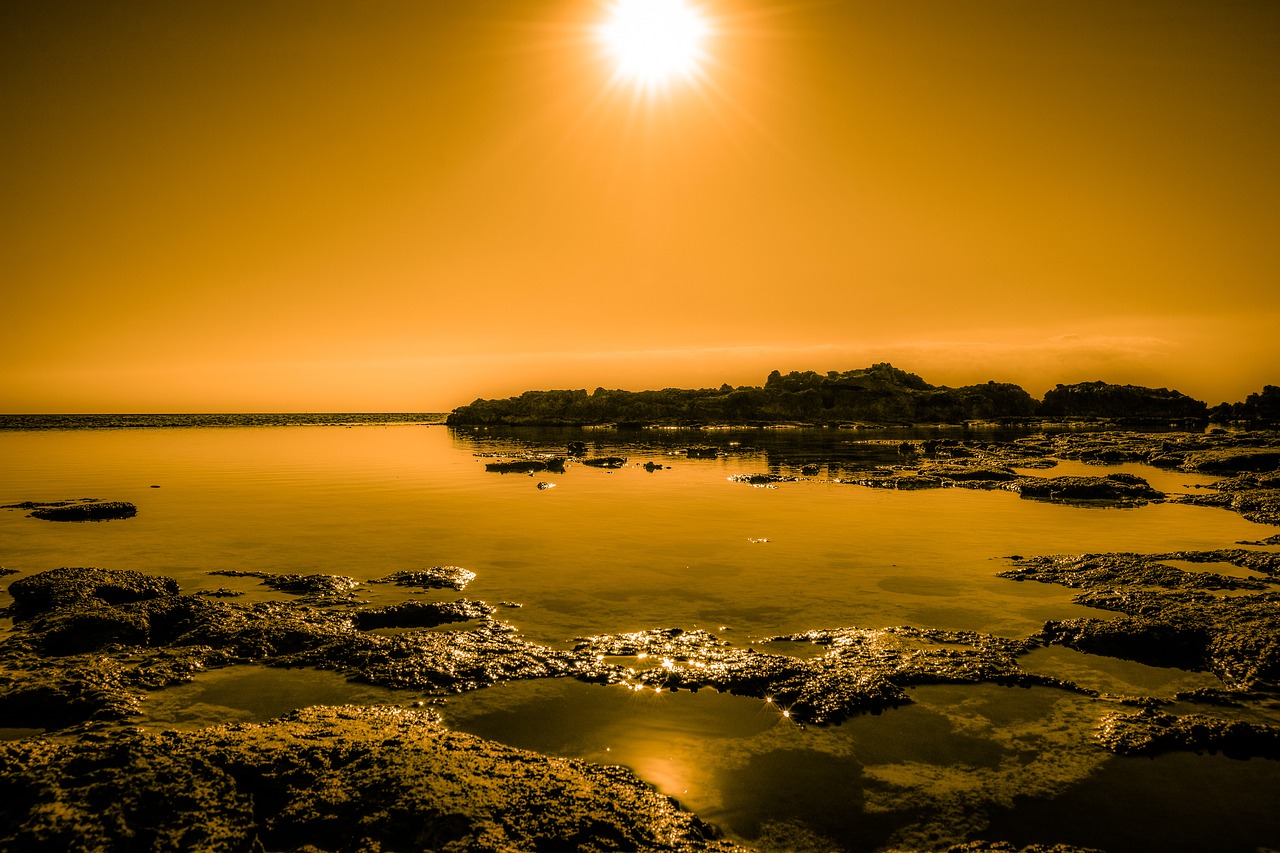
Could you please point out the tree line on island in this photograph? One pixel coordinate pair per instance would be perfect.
(880, 393)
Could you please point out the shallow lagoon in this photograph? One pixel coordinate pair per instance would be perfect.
(630, 549)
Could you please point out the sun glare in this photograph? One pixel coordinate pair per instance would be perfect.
(655, 42)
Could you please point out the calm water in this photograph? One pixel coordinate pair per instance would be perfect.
(630, 549)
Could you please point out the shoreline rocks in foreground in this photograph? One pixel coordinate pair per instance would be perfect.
(328, 779)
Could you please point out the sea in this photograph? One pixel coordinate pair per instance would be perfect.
(673, 543)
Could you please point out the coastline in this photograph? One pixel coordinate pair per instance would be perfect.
(96, 645)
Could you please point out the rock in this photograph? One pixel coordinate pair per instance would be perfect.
(810, 470)
(1233, 461)
(74, 656)
(1149, 732)
(420, 614)
(1171, 617)
(543, 485)
(1114, 489)
(67, 587)
(763, 479)
(863, 671)
(653, 466)
(701, 452)
(554, 464)
(435, 577)
(1254, 496)
(327, 779)
(577, 448)
(317, 588)
(605, 462)
(87, 509)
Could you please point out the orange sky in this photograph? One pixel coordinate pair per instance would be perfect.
(403, 205)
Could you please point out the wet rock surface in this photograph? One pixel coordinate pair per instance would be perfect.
(605, 462)
(1253, 457)
(1149, 732)
(1254, 496)
(555, 465)
(434, 577)
(861, 671)
(88, 643)
(1170, 616)
(314, 588)
(85, 509)
(327, 779)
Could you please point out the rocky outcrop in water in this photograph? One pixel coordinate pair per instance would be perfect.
(318, 589)
(605, 462)
(435, 577)
(862, 670)
(85, 509)
(327, 780)
(554, 464)
(88, 643)
(1169, 616)
(1150, 732)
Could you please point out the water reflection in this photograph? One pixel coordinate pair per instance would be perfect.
(944, 769)
(633, 549)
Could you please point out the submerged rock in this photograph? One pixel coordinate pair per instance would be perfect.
(327, 779)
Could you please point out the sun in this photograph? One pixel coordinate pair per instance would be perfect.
(655, 42)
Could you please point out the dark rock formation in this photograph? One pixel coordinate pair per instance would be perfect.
(326, 779)
(554, 464)
(314, 588)
(763, 479)
(1149, 732)
(435, 577)
(85, 509)
(1171, 617)
(1113, 489)
(421, 614)
(1233, 461)
(605, 462)
(88, 642)
(1254, 496)
(68, 587)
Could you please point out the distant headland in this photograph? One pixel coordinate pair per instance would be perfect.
(880, 394)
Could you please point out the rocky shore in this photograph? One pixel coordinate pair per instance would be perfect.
(88, 645)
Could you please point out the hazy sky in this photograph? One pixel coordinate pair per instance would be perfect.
(221, 205)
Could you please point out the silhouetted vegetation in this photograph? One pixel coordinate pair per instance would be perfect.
(1119, 402)
(880, 393)
(1261, 408)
